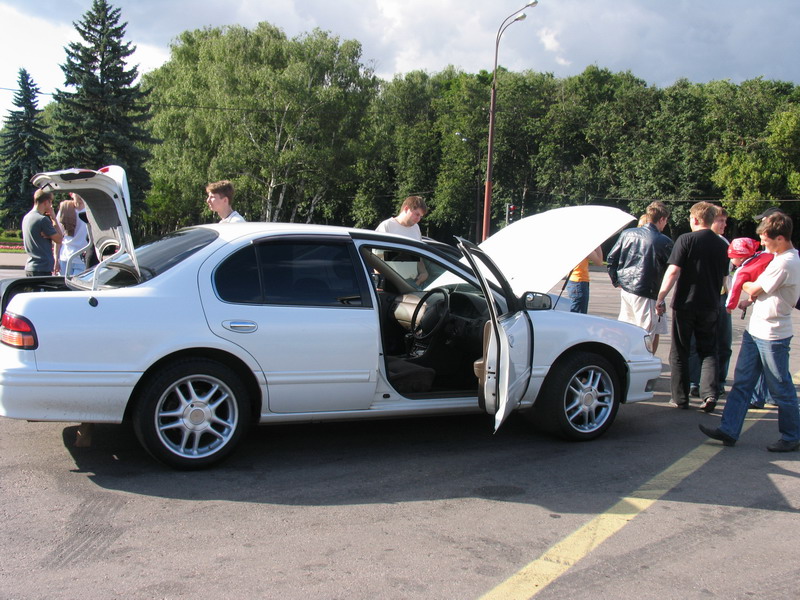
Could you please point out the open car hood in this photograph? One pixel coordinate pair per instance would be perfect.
(536, 252)
(108, 206)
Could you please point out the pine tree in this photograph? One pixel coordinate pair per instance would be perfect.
(101, 122)
(23, 148)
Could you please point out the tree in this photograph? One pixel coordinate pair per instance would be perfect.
(23, 147)
(101, 122)
(278, 117)
(765, 169)
(460, 112)
(523, 103)
(596, 114)
(669, 160)
(784, 141)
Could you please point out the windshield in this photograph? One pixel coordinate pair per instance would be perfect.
(154, 258)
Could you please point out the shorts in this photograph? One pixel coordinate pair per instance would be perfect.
(641, 311)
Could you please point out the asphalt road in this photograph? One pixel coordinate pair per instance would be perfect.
(426, 508)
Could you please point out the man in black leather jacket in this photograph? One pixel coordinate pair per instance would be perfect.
(636, 264)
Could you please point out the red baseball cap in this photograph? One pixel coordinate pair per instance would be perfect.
(743, 247)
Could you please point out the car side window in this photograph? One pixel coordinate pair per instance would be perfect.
(308, 273)
(291, 273)
(401, 271)
(237, 278)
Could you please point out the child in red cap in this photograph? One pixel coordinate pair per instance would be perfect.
(749, 263)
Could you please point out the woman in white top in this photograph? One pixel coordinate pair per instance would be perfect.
(76, 235)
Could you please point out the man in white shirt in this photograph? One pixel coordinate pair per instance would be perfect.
(406, 223)
(765, 343)
(220, 197)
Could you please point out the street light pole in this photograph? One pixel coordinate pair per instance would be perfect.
(487, 198)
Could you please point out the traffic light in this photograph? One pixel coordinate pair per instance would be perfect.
(513, 213)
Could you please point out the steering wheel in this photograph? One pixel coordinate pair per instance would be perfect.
(435, 314)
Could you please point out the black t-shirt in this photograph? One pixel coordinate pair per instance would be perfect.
(703, 258)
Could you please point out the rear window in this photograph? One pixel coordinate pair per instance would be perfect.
(154, 258)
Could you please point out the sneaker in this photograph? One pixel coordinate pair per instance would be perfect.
(683, 405)
(783, 446)
(708, 405)
(694, 391)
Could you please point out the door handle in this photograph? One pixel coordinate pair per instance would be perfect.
(240, 326)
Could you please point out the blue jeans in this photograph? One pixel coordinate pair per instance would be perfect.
(578, 292)
(770, 358)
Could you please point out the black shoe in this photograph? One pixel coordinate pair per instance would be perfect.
(756, 405)
(683, 405)
(708, 405)
(716, 434)
(694, 391)
(783, 446)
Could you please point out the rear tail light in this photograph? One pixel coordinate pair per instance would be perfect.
(18, 332)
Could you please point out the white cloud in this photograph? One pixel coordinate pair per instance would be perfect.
(549, 39)
(148, 57)
(35, 44)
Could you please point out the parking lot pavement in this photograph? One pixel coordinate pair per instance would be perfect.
(13, 260)
(12, 264)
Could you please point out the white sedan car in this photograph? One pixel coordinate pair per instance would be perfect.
(197, 335)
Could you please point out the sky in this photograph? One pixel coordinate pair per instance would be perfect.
(658, 41)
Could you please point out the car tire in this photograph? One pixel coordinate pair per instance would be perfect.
(191, 414)
(579, 398)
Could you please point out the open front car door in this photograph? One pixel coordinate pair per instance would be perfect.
(505, 368)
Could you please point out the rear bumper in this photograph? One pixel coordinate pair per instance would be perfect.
(82, 397)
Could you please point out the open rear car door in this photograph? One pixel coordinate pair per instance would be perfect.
(504, 371)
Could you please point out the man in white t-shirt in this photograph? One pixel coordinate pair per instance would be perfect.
(765, 343)
(406, 223)
(219, 199)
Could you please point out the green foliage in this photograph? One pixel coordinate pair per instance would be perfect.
(402, 147)
(23, 147)
(756, 152)
(462, 129)
(591, 129)
(278, 117)
(101, 122)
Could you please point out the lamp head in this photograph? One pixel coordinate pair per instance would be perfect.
(520, 17)
(531, 4)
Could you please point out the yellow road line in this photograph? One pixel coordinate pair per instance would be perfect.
(535, 576)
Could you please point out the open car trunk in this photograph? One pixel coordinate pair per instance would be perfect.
(11, 287)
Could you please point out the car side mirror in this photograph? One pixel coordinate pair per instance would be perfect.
(536, 301)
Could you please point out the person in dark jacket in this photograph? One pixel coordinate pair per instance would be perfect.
(636, 264)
